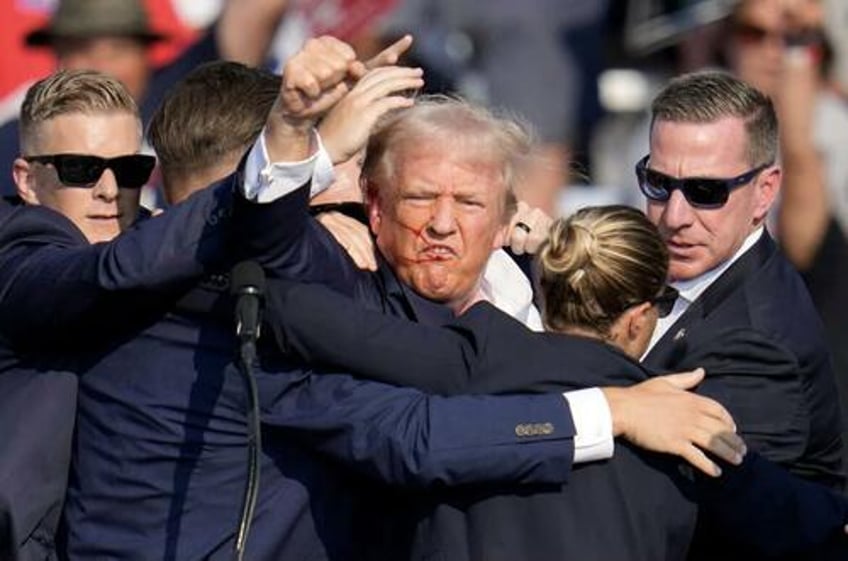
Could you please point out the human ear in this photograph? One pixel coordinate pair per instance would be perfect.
(639, 320)
(372, 202)
(501, 237)
(24, 176)
(766, 190)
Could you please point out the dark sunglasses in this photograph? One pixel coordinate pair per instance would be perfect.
(664, 301)
(701, 192)
(79, 170)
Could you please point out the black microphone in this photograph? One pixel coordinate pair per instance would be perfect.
(247, 284)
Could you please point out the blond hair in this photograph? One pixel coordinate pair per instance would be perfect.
(437, 120)
(71, 91)
(596, 264)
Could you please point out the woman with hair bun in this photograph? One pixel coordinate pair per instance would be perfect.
(603, 274)
(603, 281)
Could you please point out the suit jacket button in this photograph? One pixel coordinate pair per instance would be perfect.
(521, 430)
(547, 428)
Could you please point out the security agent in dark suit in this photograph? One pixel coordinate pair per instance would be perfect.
(311, 254)
(36, 450)
(120, 322)
(744, 313)
(636, 505)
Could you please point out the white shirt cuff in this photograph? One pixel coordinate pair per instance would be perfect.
(265, 181)
(592, 423)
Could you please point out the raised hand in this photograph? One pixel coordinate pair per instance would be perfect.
(346, 128)
(661, 415)
(528, 229)
(314, 80)
(391, 54)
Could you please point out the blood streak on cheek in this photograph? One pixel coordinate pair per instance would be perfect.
(417, 231)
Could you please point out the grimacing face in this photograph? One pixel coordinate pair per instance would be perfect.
(439, 221)
(102, 210)
(700, 239)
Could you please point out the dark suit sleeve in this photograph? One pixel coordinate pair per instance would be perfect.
(321, 326)
(52, 280)
(404, 437)
(741, 363)
(305, 251)
(36, 415)
(764, 509)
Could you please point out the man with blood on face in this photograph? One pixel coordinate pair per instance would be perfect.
(439, 209)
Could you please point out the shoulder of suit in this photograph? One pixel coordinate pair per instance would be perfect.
(38, 224)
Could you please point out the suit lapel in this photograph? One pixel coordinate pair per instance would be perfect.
(672, 346)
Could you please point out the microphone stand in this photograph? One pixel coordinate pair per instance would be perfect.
(247, 330)
(247, 354)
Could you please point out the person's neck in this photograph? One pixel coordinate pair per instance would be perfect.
(461, 306)
(583, 332)
(180, 185)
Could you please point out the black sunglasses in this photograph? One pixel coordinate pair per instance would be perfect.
(701, 192)
(664, 301)
(79, 170)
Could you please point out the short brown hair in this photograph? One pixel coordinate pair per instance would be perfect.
(488, 136)
(217, 110)
(705, 97)
(71, 91)
(596, 264)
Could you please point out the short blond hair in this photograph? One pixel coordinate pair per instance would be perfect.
(596, 264)
(71, 91)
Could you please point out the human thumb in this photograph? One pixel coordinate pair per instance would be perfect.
(686, 380)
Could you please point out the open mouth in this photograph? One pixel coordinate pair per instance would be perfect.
(437, 253)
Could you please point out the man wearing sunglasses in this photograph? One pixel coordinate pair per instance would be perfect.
(69, 279)
(743, 312)
(84, 172)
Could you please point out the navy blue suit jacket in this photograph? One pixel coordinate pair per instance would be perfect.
(632, 507)
(41, 250)
(758, 336)
(159, 457)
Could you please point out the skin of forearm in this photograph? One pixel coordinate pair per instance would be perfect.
(247, 27)
(803, 215)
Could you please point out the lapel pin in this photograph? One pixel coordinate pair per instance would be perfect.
(680, 334)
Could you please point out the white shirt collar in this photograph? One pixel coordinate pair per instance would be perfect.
(506, 286)
(690, 290)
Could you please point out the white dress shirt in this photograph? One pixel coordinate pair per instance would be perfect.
(504, 284)
(690, 290)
